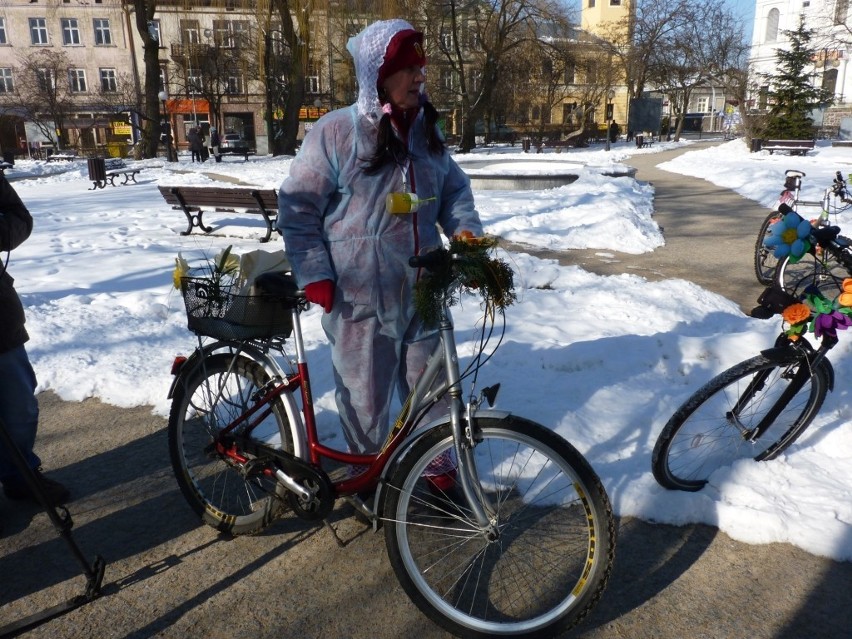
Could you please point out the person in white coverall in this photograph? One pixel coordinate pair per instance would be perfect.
(347, 251)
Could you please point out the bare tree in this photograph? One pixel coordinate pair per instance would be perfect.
(473, 42)
(43, 94)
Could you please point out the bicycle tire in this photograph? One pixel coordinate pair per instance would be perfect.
(811, 275)
(221, 492)
(765, 261)
(701, 436)
(556, 543)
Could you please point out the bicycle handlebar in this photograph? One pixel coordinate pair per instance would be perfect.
(431, 260)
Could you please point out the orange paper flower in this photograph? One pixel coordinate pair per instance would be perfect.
(796, 313)
(845, 298)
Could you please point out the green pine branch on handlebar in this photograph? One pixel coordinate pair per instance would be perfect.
(466, 264)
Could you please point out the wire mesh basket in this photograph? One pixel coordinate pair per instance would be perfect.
(215, 309)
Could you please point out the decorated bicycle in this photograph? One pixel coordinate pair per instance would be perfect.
(759, 407)
(523, 545)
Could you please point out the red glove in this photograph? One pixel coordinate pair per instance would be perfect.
(321, 293)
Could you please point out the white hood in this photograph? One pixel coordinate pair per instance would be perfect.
(368, 51)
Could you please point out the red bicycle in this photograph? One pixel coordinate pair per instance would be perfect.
(522, 545)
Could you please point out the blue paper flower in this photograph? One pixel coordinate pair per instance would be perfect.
(789, 236)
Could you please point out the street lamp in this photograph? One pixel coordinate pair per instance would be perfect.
(609, 96)
(165, 127)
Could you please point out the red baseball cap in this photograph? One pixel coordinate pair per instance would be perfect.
(405, 49)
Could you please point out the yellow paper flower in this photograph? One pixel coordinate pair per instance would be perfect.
(226, 262)
(181, 270)
(796, 313)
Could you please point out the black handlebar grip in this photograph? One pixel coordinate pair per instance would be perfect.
(430, 260)
(784, 208)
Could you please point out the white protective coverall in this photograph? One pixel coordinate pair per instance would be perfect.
(335, 226)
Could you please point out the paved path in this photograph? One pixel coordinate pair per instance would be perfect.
(169, 577)
(709, 235)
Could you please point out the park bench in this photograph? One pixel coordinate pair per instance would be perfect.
(245, 153)
(62, 157)
(793, 147)
(100, 175)
(194, 201)
(643, 141)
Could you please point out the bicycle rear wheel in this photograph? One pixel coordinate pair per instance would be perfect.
(823, 275)
(764, 258)
(232, 497)
(549, 562)
(711, 429)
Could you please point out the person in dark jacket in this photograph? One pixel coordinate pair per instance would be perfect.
(215, 142)
(18, 402)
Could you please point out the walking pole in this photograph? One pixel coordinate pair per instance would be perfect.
(61, 519)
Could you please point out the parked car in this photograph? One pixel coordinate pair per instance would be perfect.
(233, 142)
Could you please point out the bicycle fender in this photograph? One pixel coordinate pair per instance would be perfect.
(786, 355)
(194, 361)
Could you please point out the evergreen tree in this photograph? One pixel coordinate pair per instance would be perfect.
(791, 95)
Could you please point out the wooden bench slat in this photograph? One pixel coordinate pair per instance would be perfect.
(196, 200)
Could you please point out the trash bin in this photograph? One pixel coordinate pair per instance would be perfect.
(97, 170)
(9, 157)
(756, 145)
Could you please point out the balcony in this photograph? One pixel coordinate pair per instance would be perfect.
(189, 52)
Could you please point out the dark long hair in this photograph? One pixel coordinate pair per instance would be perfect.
(389, 148)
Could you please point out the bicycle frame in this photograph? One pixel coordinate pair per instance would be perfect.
(303, 424)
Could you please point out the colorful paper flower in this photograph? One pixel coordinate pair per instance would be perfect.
(845, 298)
(829, 323)
(790, 237)
(796, 313)
(181, 270)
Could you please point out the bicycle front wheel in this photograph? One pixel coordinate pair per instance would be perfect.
(764, 258)
(716, 426)
(821, 275)
(540, 568)
(237, 498)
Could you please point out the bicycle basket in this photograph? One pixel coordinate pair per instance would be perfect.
(215, 309)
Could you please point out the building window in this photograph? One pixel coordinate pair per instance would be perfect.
(46, 79)
(772, 19)
(109, 84)
(570, 71)
(829, 81)
(189, 32)
(841, 11)
(446, 39)
(154, 32)
(591, 4)
(103, 36)
(77, 80)
(38, 31)
(568, 109)
(312, 84)
(6, 83)
(234, 85)
(615, 3)
(193, 82)
(70, 31)
(591, 72)
(3, 38)
(230, 34)
(476, 81)
(447, 79)
(703, 104)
